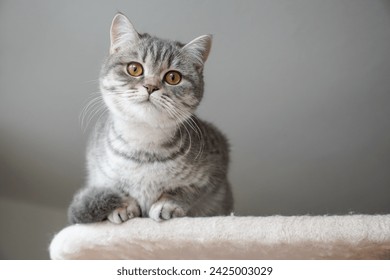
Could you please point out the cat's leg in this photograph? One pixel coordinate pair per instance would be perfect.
(175, 203)
(97, 204)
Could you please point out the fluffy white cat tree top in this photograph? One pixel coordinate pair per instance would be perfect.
(276, 237)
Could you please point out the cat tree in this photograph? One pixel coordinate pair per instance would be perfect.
(274, 237)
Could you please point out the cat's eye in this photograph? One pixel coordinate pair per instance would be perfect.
(172, 77)
(135, 69)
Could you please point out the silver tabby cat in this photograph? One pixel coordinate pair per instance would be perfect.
(151, 156)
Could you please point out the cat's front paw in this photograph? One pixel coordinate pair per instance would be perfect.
(129, 210)
(165, 210)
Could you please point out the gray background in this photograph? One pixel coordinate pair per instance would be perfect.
(301, 88)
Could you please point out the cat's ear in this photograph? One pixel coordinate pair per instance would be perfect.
(122, 32)
(199, 48)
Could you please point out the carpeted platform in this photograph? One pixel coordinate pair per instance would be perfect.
(274, 237)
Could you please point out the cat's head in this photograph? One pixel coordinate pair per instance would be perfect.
(150, 80)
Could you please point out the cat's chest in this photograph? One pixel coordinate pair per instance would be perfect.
(150, 168)
(137, 164)
(146, 170)
(148, 174)
(147, 181)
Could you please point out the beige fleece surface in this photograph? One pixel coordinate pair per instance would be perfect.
(274, 237)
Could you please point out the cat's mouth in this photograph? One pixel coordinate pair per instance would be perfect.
(148, 102)
(143, 99)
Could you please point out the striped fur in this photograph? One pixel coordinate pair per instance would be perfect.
(150, 156)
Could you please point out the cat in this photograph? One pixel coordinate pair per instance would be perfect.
(150, 156)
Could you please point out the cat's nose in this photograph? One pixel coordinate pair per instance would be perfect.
(150, 88)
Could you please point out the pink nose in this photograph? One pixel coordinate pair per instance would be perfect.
(150, 88)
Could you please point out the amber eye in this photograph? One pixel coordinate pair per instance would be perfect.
(172, 77)
(135, 69)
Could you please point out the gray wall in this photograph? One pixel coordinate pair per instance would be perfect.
(301, 88)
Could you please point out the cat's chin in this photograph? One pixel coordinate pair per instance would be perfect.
(148, 114)
(148, 107)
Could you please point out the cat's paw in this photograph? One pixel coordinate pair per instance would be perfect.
(165, 210)
(129, 210)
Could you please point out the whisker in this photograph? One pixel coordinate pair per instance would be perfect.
(188, 118)
(92, 81)
(95, 113)
(92, 109)
(185, 118)
(100, 114)
(120, 92)
(172, 113)
(88, 110)
(201, 138)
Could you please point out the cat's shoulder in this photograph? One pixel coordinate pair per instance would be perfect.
(213, 132)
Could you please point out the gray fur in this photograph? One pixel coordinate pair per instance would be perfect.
(150, 156)
(93, 205)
